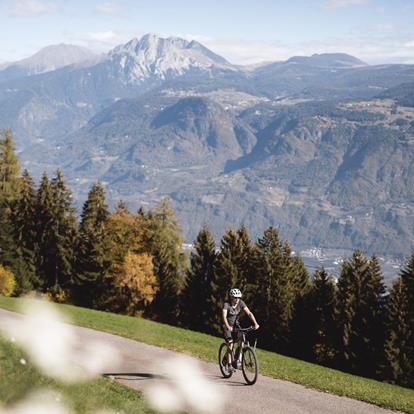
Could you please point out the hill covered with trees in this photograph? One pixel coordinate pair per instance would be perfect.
(133, 263)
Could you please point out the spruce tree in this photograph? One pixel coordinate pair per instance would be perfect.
(23, 217)
(9, 171)
(93, 261)
(164, 239)
(229, 263)
(199, 297)
(275, 291)
(9, 191)
(399, 345)
(14, 253)
(321, 317)
(57, 235)
(360, 290)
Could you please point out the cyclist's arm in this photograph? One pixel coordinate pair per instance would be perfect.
(251, 316)
(226, 324)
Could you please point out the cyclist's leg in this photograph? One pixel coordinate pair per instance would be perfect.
(229, 341)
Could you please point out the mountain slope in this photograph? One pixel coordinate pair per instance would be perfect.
(47, 59)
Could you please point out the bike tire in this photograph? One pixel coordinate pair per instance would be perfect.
(223, 360)
(250, 365)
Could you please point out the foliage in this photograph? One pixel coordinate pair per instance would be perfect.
(7, 282)
(135, 282)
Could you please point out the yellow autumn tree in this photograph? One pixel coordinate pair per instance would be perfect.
(135, 282)
(7, 281)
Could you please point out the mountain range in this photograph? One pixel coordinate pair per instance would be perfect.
(321, 146)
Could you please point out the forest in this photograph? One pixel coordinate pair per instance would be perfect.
(134, 263)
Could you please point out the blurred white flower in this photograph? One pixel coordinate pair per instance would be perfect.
(185, 388)
(164, 398)
(53, 345)
(22, 361)
(39, 403)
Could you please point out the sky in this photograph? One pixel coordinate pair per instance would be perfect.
(242, 31)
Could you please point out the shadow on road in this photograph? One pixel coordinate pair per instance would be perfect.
(133, 376)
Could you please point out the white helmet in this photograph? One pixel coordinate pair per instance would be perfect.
(235, 293)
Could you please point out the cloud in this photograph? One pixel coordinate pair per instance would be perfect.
(243, 52)
(340, 4)
(30, 8)
(109, 8)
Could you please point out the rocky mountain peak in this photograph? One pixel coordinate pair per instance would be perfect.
(163, 58)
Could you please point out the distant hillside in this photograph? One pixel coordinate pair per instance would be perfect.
(319, 146)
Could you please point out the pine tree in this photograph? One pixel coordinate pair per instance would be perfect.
(199, 296)
(399, 345)
(360, 290)
(93, 261)
(165, 240)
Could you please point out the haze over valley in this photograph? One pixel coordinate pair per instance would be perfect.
(319, 146)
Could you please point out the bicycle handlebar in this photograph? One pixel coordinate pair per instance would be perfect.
(245, 330)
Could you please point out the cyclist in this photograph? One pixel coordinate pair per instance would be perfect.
(231, 311)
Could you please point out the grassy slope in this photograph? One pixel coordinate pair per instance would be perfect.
(274, 365)
(17, 381)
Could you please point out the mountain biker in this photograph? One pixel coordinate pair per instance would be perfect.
(231, 311)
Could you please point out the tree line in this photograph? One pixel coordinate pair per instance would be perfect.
(133, 263)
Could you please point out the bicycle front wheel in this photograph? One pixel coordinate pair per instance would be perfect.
(250, 365)
(223, 360)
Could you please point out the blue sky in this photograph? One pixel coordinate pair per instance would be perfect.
(243, 31)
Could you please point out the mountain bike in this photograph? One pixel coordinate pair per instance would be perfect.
(245, 355)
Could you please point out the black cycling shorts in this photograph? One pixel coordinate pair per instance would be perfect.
(230, 335)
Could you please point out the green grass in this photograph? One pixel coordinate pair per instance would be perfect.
(271, 364)
(17, 381)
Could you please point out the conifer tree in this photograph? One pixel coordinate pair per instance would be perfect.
(275, 291)
(93, 261)
(164, 239)
(399, 345)
(228, 263)
(23, 217)
(199, 298)
(360, 290)
(9, 190)
(13, 253)
(57, 234)
(246, 266)
(9, 171)
(321, 317)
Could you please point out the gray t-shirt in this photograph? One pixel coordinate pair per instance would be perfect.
(232, 313)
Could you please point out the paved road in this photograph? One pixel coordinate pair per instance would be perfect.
(136, 369)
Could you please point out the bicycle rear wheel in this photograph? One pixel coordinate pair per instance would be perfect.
(223, 361)
(250, 365)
